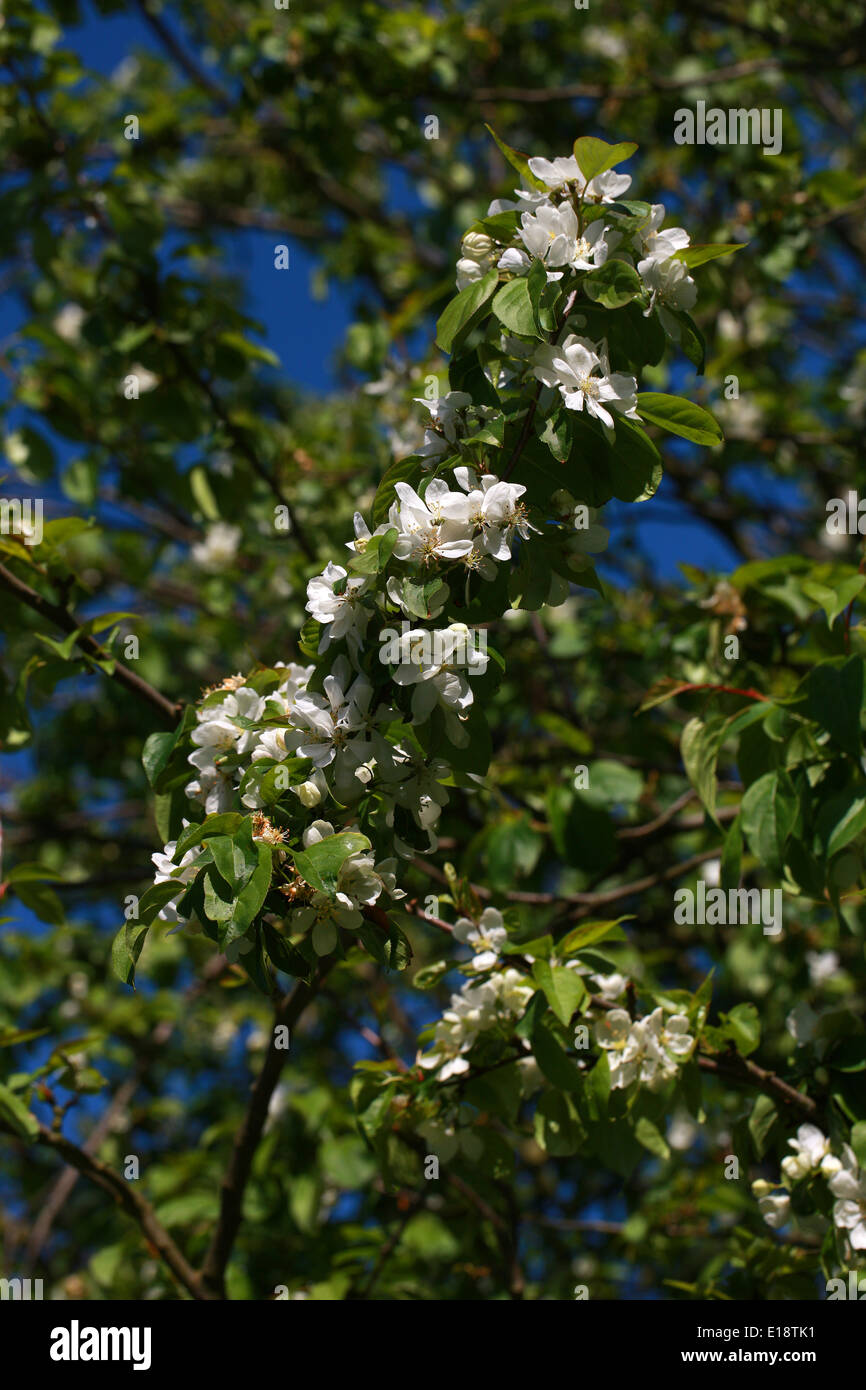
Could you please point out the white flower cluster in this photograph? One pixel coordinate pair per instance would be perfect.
(475, 526)
(344, 730)
(812, 1157)
(555, 230)
(647, 1050)
(342, 726)
(225, 748)
(549, 229)
(476, 1008)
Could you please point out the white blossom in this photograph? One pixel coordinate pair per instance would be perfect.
(660, 244)
(775, 1209)
(341, 614)
(647, 1049)
(476, 258)
(822, 966)
(581, 373)
(669, 283)
(486, 937)
(849, 1211)
(445, 412)
(558, 173)
(811, 1148)
(438, 670)
(219, 547)
(167, 870)
(426, 531)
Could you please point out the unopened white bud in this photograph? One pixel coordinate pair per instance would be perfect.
(308, 794)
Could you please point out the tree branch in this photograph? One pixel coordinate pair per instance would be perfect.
(194, 72)
(126, 1196)
(243, 445)
(67, 622)
(234, 1183)
(745, 1073)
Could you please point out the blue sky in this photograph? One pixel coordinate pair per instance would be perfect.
(306, 332)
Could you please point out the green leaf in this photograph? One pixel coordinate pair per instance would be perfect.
(849, 1055)
(613, 284)
(834, 697)
(393, 951)
(514, 308)
(421, 600)
(219, 899)
(251, 898)
(858, 1142)
(32, 873)
(126, 949)
(254, 351)
(613, 784)
(557, 1125)
(743, 1026)
(761, 1123)
(597, 156)
(732, 857)
(636, 466)
(320, 864)
(163, 756)
(16, 1115)
(400, 471)
(650, 1137)
(690, 338)
(768, 814)
(700, 744)
(199, 484)
(224, 823)
(283, 954)
(554, 1061)
(66, 649)
(679, 416)
(43, 901)
(513, 848)
(156, 753)
(466, 310)
(563, 988)
(698, 255)
(588, 933)
(834, 599)
(129, 941)
(518, 161)
(841, 819)
(230, 861)
(376, 554)
(500, 225)
(555, 431)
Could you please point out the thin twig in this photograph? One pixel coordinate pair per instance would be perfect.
(67, 622)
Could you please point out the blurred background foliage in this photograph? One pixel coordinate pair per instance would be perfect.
(307, 128)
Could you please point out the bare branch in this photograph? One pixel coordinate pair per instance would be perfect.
(67, 622)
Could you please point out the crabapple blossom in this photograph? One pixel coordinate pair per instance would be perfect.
(578, 369)
(848, 1186)
(341, 614)
(486, 937)
(811, 1151)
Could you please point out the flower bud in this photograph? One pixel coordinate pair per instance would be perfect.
(762, 1188)
(476, 244)
(308, 794)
